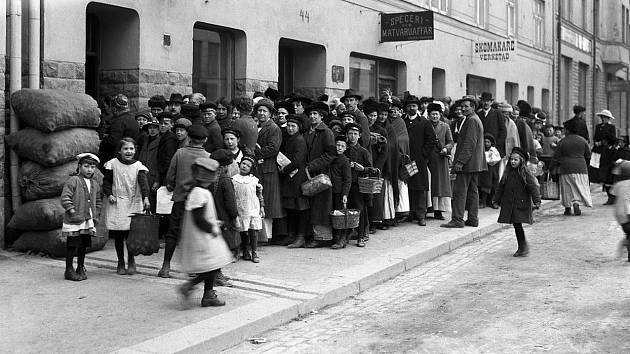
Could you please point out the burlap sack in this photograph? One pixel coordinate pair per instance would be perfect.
(38, 215)
(52, 110)
(39, 182)
(53, 243)
(53, 149)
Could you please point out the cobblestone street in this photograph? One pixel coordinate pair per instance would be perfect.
(568, 296)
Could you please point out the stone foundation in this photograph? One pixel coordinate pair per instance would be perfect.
(249, 86)
(63, 75)
(155, 82)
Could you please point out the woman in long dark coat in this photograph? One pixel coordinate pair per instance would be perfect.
(604, 139)
(439, 163)
(380, 160)
(291, 177)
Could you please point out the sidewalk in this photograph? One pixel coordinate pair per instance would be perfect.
(142, 314)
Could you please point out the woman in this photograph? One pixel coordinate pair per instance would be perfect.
(266, 153)
(380, 160)
(390, 170)
(604, 139)
(401, 191)
(291, 178)
(439, 163)
(231, 141)
(570, 158)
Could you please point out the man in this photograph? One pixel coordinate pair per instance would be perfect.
(580, 123)
(157, 104)
(422, 143)
(175, 103)
(167, 146)
(245, 123)
(493, 122)
(123, 125)
(299, 103)
(412, 104)
(209, 120)
(351, 100)
(511, 139)
(468, 162)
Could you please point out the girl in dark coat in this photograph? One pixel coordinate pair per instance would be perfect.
(516, 192)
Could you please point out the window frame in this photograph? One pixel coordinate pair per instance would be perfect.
(378, 61)
(511, 25)
(227, 44)
(442, 7)
(481, 18)
(539, 24)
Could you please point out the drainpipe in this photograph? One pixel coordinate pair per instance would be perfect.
(15, 84)
(33, 46)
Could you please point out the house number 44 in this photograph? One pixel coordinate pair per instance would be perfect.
(305, 15)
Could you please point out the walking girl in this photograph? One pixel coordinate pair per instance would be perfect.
(517, 190)
(126, 186)
(81, 198)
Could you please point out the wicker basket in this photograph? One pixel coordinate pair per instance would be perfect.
(349, 219)
(371, 184)
(315, 185)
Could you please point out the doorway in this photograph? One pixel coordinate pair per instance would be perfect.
(301, 67)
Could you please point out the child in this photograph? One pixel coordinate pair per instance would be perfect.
(621, 191)
(127, 189)
(341, 178)
(204, 251)
(81, 198)
(360, 160)
(516, 191)
(549, 143)
(251, 207)
(181, 131)
(489, 179)
(558, 131)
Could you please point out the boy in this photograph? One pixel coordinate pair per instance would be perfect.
(489, 180)
(360, 160)
(179, 181)
(341, 178)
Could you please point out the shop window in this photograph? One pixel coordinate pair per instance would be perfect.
(511, 92)
(530, 95)
(475, 85)
(214, 60)
(371, 76)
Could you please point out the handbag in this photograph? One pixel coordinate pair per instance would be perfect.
(549, 190)
(407, 169)
(144, 234)
(315, 185)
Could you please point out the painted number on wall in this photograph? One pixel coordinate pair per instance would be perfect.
(305, 15)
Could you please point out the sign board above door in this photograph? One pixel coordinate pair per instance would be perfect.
(407, 26)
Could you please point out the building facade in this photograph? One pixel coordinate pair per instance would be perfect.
(233, 47)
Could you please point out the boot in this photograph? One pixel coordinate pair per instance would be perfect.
(253, 241)
(522, 251)
(131, 265)
(611, 199)
(339, 240)
(313, 243)
(120, 269)
(438, 215)
(482, 200)
(576, 209)
(298, 243)
(245, 246)
(246, 255)
(210, 299)
(222, 280)
(185, 290)
(81, 272)
(165, 271)
(70, 274)
(567, 211)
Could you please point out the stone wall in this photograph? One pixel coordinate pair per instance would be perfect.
(63, 75)
(155, 82)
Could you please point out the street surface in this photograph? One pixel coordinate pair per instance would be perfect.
(571, 295)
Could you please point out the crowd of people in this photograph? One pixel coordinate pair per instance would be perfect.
(424, 156)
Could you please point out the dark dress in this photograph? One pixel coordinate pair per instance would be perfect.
(380, 160)
(605, 136)
(516, 197)
(294, 148)
(267, 148)
(225, 202)
(320, 152)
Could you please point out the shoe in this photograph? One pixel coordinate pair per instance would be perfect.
(471, 223)
(246, 256)
(438, 215)
(255, 258)
(120, 269)
(494, 206)
(567, 211)
(222, 280)
(312, 244)
(610, 201)
(131, 269)
(522, 252)
(339, 244)
(185, 290)
(422, 222)
(210, 299)
(453, 225)
(298, 243)
(576, 209)
(70, 274)
(165, 272)
(482, 205)
(361, 242)
(384, 226)
(82, 273)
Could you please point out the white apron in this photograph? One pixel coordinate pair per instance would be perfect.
(126, 190)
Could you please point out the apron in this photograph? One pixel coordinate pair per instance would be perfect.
(126, 190)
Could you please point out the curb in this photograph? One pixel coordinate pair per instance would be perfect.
(231, 328)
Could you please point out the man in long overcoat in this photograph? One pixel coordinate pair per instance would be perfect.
(493, 122)
(468, 162)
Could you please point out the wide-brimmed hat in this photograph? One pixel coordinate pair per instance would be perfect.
(286, 105)
(207, 105)
(157, 101)
(176, 98)
(370, 108)
(434, 107)
(317, 106)
(350, 93)
(300, 98)
(521, 152)
(264, 102)
(486, 96)
(411, 99)
(605, 113)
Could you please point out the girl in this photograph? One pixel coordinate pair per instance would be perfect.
(204, 251)
(515, 193)
(127, 189)
(250, 205)
(81, 198)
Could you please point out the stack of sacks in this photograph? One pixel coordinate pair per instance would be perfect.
(57, 126)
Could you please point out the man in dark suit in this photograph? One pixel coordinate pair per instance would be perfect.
(493, 122)
(468, 162)
(580, 124)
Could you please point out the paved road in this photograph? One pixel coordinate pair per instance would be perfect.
(571, 295)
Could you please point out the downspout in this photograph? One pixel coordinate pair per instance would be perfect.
(33, 43)
(593, 66)
(15, 84)
(558, 77)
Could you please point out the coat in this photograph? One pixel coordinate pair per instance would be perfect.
(215, 139)
(267, 148)
(166, 149)
(571, 155)
(248, 129)
(225, 202)
(149, 157)
(512, 140)
(525, 136)
(580, 127)
(422, 143)
(360, 155)
(75, 195)
(470, 151)
(439, 163)
(493, 124)
(365, 129)
(320, 152)
(294, 148)
(605, 135)
(515, 196)
(400, 130)
(341, 175)
(123, 125)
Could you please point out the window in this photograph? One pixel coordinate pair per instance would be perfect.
(539, 24)
(213, 62)
(438, 82)
(439, 5)
(582, 74)
(624, 18)
(511, 17)
(372, 76)
(545, 100)
(481, 13)
(530, 95)
(627, 26)
(567, 9)
(511, 92)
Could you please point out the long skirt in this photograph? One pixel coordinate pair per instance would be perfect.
(376, 209)
(389, 206)
(403, 200)
(442, 203)
(574, 188)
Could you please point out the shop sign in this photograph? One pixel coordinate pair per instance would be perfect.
(407, 26)
(494, 51)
